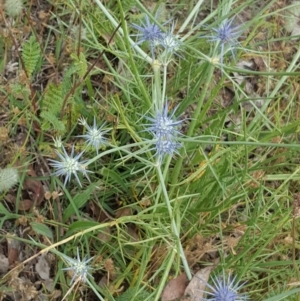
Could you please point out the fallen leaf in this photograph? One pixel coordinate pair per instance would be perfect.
(196, 287)
(175, 288)
(4, 264)
(42, 267)
(14, 247)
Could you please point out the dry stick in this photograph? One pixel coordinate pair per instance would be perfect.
(87, 73)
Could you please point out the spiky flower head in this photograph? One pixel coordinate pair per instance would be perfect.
(170, 41)
(94, 135)
(164, 129)
(149, 32)
(69, 165)
(226, 35)
(224, 288)
(80, 269)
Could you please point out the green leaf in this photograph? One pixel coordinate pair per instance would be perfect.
(42, 229)
(283, 295)
(78, 202)
(108, 173)
(31, 53)
(81, 225)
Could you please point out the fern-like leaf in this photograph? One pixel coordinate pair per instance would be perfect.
(31, 53)
(51, 107)
(51, 122)
(53, 99)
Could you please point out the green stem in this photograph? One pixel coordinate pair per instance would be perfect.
(173, 223)
(190, 16)
(157, 98)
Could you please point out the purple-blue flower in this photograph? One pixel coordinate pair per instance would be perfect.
(79, 268)
(94, 135)
(148, 32)
(226, 35)
(164, 129)
(69, 165)
(224, 289)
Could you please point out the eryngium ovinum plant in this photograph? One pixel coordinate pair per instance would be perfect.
(161, 133)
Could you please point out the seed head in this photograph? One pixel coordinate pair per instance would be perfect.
(78, 267)
(69, 165)
(94, 135)
(8, 178)
(13, 7)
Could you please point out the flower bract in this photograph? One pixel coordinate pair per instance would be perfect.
(79, 268)
(69, 165)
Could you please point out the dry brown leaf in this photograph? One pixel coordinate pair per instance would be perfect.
(42, 267)
(105, 234)
(175, 288)
(14, 247)
(4, 264)
(194, 290)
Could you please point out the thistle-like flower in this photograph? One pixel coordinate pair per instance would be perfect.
(165, 131)
(94, 135)
(69, 165)
(148, 32)
(226, 35)
(79, 268)
(224, 290)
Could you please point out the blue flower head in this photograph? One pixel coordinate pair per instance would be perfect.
(79, 268)
(164, 129)
(94, 135)
(69, 165)
(224, 290)
(148, 32)
(226, 35)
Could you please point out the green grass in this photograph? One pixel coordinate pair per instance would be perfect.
(226, 200)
